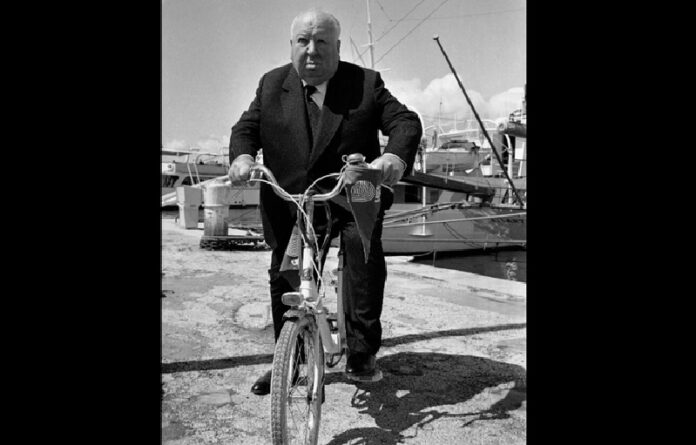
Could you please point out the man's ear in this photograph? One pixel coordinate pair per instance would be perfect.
(338, 46)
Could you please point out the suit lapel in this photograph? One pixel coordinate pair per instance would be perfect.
(292, 103)
(331, 116)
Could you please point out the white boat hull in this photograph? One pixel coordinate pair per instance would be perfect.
(454, 229)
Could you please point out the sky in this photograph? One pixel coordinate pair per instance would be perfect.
(215, 51)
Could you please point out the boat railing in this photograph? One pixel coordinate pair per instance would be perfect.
(192, 164)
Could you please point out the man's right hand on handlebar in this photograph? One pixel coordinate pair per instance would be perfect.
(240, 168)
(392, 168)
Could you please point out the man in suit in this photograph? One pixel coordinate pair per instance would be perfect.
(305, 116)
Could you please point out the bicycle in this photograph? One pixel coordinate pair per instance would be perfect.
(311, 337)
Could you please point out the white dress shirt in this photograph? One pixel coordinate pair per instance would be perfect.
(320, 93)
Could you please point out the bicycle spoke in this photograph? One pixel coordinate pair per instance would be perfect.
(298, 391)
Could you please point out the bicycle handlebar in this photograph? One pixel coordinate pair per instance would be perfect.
(258, 168)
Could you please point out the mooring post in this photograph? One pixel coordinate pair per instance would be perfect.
(189, 200)
(216, 198)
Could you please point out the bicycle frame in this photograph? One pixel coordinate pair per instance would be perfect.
(307, 300)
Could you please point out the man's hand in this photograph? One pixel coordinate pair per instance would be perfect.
(392, 168)
(239, 170)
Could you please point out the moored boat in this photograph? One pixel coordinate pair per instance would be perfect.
(450, 210)
(195, 168)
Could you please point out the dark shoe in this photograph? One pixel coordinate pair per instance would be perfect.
(360, 364)
(262, 385)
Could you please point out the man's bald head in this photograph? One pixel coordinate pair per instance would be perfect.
(314, 45)
(315, 15)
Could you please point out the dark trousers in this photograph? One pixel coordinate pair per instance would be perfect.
(363, 283)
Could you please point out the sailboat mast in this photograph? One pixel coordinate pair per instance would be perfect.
(439, 114)
(369, 35)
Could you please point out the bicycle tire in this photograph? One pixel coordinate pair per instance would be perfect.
(296, 402)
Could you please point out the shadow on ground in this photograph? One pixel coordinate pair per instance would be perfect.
(257, 359)
(417, 386)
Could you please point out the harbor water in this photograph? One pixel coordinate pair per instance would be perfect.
(508, 264)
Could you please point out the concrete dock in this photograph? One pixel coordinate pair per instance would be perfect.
(453, 354)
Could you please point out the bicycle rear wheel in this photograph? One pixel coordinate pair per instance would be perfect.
(297, 383)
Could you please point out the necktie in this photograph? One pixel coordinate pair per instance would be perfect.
(313, 111)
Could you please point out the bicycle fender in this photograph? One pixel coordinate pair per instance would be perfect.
(293, 314)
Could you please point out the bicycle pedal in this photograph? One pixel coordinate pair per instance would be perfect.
(374, 377)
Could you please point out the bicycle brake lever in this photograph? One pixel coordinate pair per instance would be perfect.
(255, 173)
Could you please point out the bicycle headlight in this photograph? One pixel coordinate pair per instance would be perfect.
(291, 298)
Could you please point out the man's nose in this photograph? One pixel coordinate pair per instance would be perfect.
(311, 47)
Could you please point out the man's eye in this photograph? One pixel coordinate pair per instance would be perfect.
(302, 41)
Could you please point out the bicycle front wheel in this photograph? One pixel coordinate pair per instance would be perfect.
(297, 383)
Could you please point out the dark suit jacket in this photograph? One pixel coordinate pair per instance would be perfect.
(356, 106)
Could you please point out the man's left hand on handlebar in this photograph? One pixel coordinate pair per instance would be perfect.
(392, 167)
(240, 169)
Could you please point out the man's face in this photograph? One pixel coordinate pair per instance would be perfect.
(314, 49)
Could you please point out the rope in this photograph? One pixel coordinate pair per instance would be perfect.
(474, 218)
(412, 29)
(397, 21)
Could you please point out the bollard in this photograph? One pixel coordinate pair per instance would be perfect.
(189, 199)
(216, 197)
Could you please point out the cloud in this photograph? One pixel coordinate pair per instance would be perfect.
(506, 102)
(212, 143)
(215, 144)
(176, 144)
(442, 97)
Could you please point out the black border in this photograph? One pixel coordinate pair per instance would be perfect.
(585, 195)
(100, 343)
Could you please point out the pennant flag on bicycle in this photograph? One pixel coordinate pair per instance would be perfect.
(363, 191)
